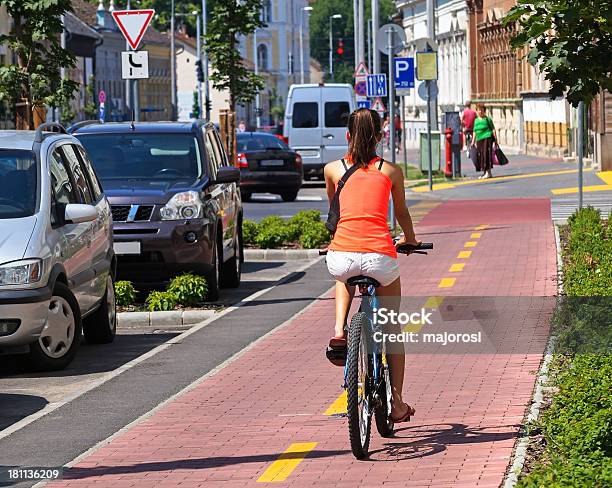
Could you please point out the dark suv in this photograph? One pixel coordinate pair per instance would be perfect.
(174, 198)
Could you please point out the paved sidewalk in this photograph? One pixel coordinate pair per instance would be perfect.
(231, 428)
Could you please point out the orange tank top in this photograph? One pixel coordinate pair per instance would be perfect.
(364, 203)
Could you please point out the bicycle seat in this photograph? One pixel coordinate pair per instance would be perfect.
(362, 281)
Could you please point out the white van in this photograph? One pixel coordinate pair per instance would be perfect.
(315, 123)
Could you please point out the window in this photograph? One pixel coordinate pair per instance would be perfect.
(78, 174)
(223, 154)
(136, 156)
(259, 142)
(62, 190)
(305, 115)
(18, 182)
(212, 151)
(91, 174)
(262, 57)
(336, 114)
(266, 11)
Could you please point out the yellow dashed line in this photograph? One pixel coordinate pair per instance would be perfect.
(481, 227)
(470, 244)
(433, 302)
(280, 469)
(446, 282)
(338, 407)
(455, 268)
(476, 235)
(464, 254)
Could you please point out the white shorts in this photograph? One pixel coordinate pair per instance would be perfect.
(344, 265)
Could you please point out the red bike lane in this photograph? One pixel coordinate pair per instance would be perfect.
(274, 413)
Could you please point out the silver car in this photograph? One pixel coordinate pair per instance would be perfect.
(57, 263)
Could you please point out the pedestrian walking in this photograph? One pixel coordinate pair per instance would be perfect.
(386, 128)
(484, 137)
(467, 121)
(242, 126)
(398, 132)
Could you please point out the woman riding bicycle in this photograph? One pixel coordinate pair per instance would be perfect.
(362, 243)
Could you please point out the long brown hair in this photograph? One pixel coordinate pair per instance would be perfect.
(364, 128)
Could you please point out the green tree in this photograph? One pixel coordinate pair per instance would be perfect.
(344, 65)
(229, 19)
(570, 42)
(35, 40)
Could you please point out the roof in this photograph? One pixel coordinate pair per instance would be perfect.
(139, 127)
(75, 25)
(87, 12)
(17, 139)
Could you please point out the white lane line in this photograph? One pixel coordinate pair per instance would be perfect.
(50, 407)
(197, 382)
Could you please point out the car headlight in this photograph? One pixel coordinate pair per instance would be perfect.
(185, 205)
(24, 272)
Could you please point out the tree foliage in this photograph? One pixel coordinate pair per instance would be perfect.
(343, 28)
(163, 10)
(570, 41)
(35, 40)
(229, 19)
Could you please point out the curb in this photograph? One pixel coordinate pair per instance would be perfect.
(279, 254)
(156, 319)
(520, 451)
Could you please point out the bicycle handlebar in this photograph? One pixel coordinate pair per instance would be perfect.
(403, 249)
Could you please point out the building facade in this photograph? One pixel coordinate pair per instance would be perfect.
(453, 61)
(275, 49)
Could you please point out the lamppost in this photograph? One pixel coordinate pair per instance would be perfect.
(205, 64)
(198, 55)
(302, 10)
(331, 45)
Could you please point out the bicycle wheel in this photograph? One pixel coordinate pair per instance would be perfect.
(383, 410)
(358, 386)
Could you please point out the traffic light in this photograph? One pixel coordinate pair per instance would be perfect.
(208, 105)
(199, 70)
(340, 50)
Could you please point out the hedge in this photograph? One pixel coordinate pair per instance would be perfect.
(305, 229)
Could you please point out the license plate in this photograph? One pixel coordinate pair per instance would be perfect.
(127, 247)
(272, 162)
(308, 153)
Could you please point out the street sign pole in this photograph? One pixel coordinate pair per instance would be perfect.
(391, 113)
(580, 150)
(404, 134)
(429, 169)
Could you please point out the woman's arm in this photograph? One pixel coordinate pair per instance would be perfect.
(402, 214)
(330, 184)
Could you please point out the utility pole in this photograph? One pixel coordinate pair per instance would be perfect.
(369, 43)
(128, 85)
(375, 68)
(360, 31)
(431, 34)
(62, 69)
(302, 10)
(331, 45)
(172, 66)
(205, 64)
(580, 150)
(356, 32)
(256, 63)
(391, 83)
(199, 55)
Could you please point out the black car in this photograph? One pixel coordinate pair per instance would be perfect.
(174, 198)
(267, 165)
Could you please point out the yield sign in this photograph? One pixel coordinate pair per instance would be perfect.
(133, 24)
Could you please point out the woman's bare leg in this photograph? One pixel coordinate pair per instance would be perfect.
(393, 292)
(344, 297)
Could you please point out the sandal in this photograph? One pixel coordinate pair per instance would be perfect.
(406, 417)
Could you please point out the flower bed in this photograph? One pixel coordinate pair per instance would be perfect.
(305, 230)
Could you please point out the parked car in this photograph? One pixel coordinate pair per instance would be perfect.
(316, 117)
(267, 165)
(174, 197)
(57, 264)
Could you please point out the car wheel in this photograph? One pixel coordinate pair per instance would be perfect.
(61, 335)
(231, 270)
(289, 196)
(101, 326)
(214, 276)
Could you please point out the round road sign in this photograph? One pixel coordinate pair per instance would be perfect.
(398, 38)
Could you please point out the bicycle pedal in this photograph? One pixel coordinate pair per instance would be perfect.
(336, 356)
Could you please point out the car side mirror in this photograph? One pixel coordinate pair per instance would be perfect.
(77, 213)
(228, 174)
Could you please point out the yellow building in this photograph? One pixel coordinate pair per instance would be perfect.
(154, 93)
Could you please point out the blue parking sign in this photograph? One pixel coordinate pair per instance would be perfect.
(363, 103)
(404, 73)
(377, 85)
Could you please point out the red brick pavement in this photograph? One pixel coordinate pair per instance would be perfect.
(229, 429)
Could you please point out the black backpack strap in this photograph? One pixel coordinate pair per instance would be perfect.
(344, 178)
(334, 208)
(380, 165)
(344, 164)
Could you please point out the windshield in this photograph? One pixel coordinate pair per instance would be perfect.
(18, 183)
(144, 156)
(259, 142)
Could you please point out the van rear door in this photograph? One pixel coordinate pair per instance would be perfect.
(304, 125)
(336, 106)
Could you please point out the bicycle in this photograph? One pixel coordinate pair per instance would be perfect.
(366, 374)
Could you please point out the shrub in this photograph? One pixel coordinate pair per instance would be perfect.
(160, 301)
(249, 231)
(271, 232)
(314, 236)
(125, 293)
(189, 289)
